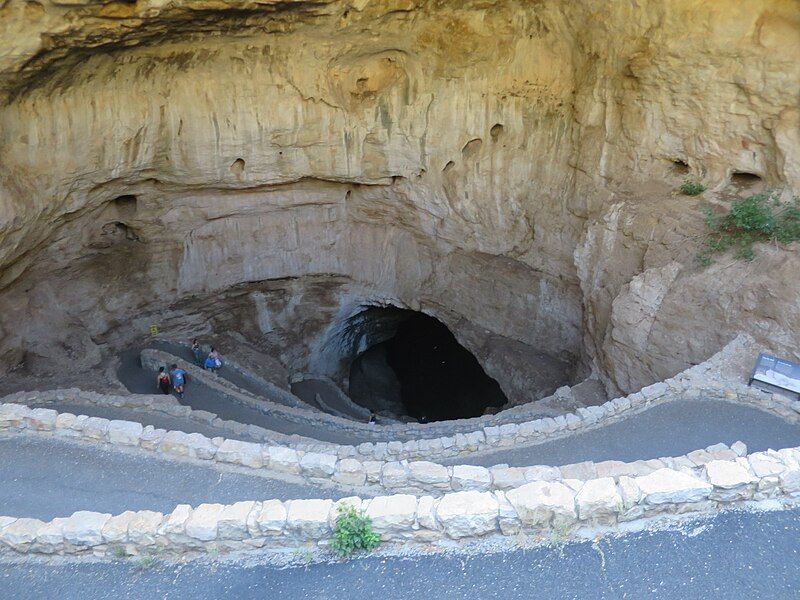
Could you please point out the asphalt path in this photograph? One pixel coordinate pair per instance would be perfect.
(201, 397)
(732, 556)
(45, 478)
(670, 429)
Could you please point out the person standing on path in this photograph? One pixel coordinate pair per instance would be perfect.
(178, 377)
(163, 381)
(213, 361)
(197, 352)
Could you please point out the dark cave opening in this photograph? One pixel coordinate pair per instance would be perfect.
(415, 367)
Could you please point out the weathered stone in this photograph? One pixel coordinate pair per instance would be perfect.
(203, 523)
(42, 419)
(629, 492)
(240, 453)
(763, 464)
(175, 524)
(13, 415)
(425, 512)
(506, 478)
(582, 470)
(599, 501)
(143, 528)
(394, 475)
(316, 464)
(283, 459)
(95, 428)
(309, 518)
(470, 477)
(115, 531)
(790, 480)
(85, 528)
(427, 474)
(21, 533)
(151, 437)
(232, 522)
(727, 475)
(372, 469)
(541, 473)
(271, 519)
(392, 514)
(126, 433)
(507, 517)
(467, 514)
(50, 537)
(349, 471)
(542, 503)
(666, 486)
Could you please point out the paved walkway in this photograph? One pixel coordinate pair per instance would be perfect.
(732, 556)
(201, 397)
(670, 429)
(46, 478)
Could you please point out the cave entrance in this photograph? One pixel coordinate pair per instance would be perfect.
(410, 364)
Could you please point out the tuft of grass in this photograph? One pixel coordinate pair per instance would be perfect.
(119, 552)
(353, 532)
(691, 188)
(145, 562)
(757, 218)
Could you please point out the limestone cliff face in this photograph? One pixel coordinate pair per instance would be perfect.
(507, 166)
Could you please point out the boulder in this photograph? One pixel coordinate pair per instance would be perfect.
(42, 419)
(175, 524)
(115, 531)
(143, 528)
(349, 471)
(20, 534)
(283, 459)
(426, 475)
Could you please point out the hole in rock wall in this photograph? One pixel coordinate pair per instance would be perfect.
(496, 131)
(679, 167)
(450, 164)
(745, 180)
(237, 168)
(471, 148)
(126, 204)
(410, 364)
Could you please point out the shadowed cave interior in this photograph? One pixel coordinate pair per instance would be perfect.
(410, 364)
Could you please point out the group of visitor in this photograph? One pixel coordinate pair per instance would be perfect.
(175, 379)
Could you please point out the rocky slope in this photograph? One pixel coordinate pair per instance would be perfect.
(271, 167)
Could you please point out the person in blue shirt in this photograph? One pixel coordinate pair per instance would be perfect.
(210, 364)
(178, 377)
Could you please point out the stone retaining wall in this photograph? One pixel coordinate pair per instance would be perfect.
(545, 508)
(418, 477)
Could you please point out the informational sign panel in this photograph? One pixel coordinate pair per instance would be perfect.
(778, 372)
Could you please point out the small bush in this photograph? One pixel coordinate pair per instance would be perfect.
(353, 532)
(692, 188)
(758, 218)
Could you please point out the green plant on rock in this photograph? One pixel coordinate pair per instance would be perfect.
(353, 532)
(692, 188)
(758, 218)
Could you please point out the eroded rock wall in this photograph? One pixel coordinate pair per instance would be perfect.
(506, 166)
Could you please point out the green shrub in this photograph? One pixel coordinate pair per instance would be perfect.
(758, 218)
(353, 532)
(692, 188)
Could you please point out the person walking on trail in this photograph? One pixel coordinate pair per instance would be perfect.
(163, 381)
(213, 361)
(178, 377)
(197, 352)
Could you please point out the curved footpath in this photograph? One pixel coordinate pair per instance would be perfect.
(671, 429)
(45, 478)
(201, 397)
(730, 556)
